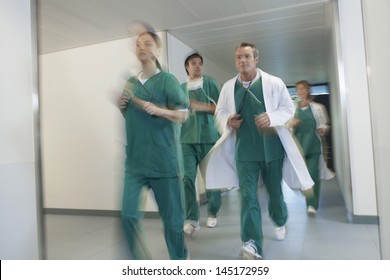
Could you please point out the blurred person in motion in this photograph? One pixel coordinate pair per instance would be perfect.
(254, 147)
(198, 135)
(154, 106)
(309, 125)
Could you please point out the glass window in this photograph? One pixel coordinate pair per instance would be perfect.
(317, 89)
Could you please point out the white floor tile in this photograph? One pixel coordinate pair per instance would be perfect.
(324, 237)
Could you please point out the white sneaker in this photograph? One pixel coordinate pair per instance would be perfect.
(211, 222)
(280, 233)
(249, 251)
(190, 227)
(311, 211)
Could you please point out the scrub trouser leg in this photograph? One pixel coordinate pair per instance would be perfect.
(167, 194)
(131, 217)
(312, 161)
(192, 155)
(190, 162)
(250, 216)
(271, 173)
(214, 202)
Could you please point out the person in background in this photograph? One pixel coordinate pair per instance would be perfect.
(154, 106)
(198, 135)
(310, 123)
(251, 114)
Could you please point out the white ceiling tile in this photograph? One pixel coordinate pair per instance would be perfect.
(204, 11)
(290, 34)
(174, 10)
(230, 8)
(256, 5)
(284, 3)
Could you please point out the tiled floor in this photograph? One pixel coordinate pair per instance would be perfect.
(328, 236)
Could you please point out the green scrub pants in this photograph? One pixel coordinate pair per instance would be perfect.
(312, 162)
(248, 176)
(192, 155)
(167, 195)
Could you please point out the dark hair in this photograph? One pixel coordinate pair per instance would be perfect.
(191, 56)
(158, 42)
(253, 46)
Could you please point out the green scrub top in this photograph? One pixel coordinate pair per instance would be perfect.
(153, 147)
(200, 127)
(252, 144)
(305, 131)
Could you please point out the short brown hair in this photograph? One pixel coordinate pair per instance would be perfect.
(253, 46)
(307, 86)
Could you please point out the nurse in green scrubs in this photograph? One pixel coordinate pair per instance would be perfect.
(309, 124)
(154, 106)
(198, 135)
(258, 150)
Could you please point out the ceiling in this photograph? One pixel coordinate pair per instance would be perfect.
(292, 35)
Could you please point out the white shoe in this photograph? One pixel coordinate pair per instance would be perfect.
(211, 222)
(311, 211)
(190, 227)
(249, 251)
(280, 233)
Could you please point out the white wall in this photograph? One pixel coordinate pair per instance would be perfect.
(339, 117)
(177, 53)
(376, 24)
(82, 130)
(20, 235)
(354, 89)
(83, 138)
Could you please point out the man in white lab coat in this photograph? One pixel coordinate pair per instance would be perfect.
(255, 146)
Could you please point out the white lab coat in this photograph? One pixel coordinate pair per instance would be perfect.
(322, 120)
(218, 168)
